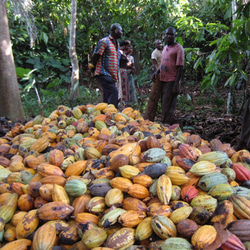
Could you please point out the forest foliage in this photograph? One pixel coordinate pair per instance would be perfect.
(215, 36)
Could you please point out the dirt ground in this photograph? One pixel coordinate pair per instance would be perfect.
(202, 116)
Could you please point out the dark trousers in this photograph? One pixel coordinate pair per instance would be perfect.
(153, 100)
(245, 127)
(168, 102)
(110, 92)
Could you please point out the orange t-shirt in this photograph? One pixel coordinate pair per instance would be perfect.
(172, 57)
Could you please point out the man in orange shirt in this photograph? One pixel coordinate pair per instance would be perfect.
(170, 71)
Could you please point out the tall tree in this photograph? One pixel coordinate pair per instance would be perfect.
(10, 100)
(72, 51)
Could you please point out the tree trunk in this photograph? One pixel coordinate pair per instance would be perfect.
(231, 94)
(74, 90)
(10, 100)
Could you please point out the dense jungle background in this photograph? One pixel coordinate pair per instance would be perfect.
(214, 33)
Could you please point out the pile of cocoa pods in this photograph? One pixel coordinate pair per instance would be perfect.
(94, 177)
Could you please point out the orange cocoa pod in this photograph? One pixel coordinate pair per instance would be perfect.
(158, 208)
(100, 145)
(17, 244)
(16, 163)
(152, 142)
(46, 169)
(143, 179)
(16, 187)
(193, 179)
(80, 203)
(37, 177)
(87, 217)
(40, 144)
(130, 203)
(39, 201)
(142, 165)
(25, 202)
(3, 197)
(55, 210)
(131, 218)
(76, 168)
(31, 161)
(121, 183)
(45, 191)
(53, 179)
(100, 117)
(17, 217)
(56, 157)
(138, 191)
(5, 188)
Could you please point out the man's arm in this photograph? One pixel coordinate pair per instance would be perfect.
(99, 50)
(176, 87)
(95, 59)
(154, 65)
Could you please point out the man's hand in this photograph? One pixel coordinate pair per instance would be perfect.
(155, 75)
(91, 69)
(176, 89)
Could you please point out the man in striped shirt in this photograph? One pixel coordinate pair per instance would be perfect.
(106, 60)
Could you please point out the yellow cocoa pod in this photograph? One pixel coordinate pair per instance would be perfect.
(122, 239)
(114, 197)
(164, 189)
(129, 171)
(94, 237)
(204, 236)
(180, 214)
(144, 229)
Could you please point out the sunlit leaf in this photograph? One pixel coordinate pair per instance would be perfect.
(21, 72)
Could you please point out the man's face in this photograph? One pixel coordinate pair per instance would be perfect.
(170, 36)
(158, 45)
(118, 32)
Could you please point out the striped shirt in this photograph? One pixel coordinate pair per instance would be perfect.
(108, 63)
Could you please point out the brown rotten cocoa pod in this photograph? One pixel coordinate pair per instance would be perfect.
(186, 228)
